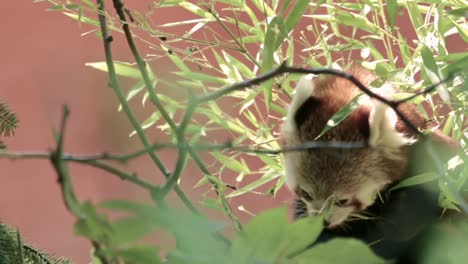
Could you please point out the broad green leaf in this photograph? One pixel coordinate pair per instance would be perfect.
(140, 209)
(294, 16)
(457, 67)
(198, 239)
(121, 68)
(260, 239)
(92, 225)
(461, 12)
(416, 180)
(132, 228)
(138, 254)
(428, 59)
(342, 114)
(302, 234)
(339, 250)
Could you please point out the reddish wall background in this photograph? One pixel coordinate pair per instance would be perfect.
(43, 57)
(42, 68)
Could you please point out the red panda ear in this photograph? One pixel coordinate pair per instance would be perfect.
(382, 124)
(304, 90)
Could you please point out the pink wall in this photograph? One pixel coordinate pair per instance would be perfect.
(43, 57)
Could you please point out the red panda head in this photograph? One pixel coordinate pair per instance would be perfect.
(349, 178)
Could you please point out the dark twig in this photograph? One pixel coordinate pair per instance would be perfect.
(283, 68)
(64, 179)
(226, 207)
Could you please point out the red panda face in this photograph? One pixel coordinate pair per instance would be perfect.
(350, 179)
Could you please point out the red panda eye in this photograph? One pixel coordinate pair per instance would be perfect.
(306, 196)
(342, 202)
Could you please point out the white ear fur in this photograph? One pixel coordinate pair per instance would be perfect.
(304, 89)
(382, 122)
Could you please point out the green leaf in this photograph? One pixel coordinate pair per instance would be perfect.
(267, 59)
(302, 234)
(55, 7)
(339, 250)
(133, 228)
(416, 180)
(139, 254)
(456, 67)
(197, 238)
(231, 163)
(260, 238)
(355, 20)
(202, 77)
(462, 30)
(150, 212)
(121, 68)
(460, 12)
(267, 177)
(195, 9)
(83, 19)
(92, 225)
(342, 114)
(73, 6)
(392, 8)
(294, 16)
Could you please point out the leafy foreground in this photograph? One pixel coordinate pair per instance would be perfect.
(267, 238)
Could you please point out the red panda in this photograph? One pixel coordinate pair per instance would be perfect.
(352, 179)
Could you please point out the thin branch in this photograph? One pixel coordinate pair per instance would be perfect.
(64, 179)
(233, 37)
(120, 9)
(115, 85)
(226, 207)
(283, 68)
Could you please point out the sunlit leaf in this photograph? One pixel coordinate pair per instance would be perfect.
(342, 114)
(415, 180)
(121, 69)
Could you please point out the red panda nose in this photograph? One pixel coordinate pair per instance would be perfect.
(356, 204)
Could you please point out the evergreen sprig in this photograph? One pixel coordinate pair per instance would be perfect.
(13, 251)
(8, 122)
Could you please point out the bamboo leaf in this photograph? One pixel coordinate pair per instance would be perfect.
(122, 69)
(342, 114)
(392, 8)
